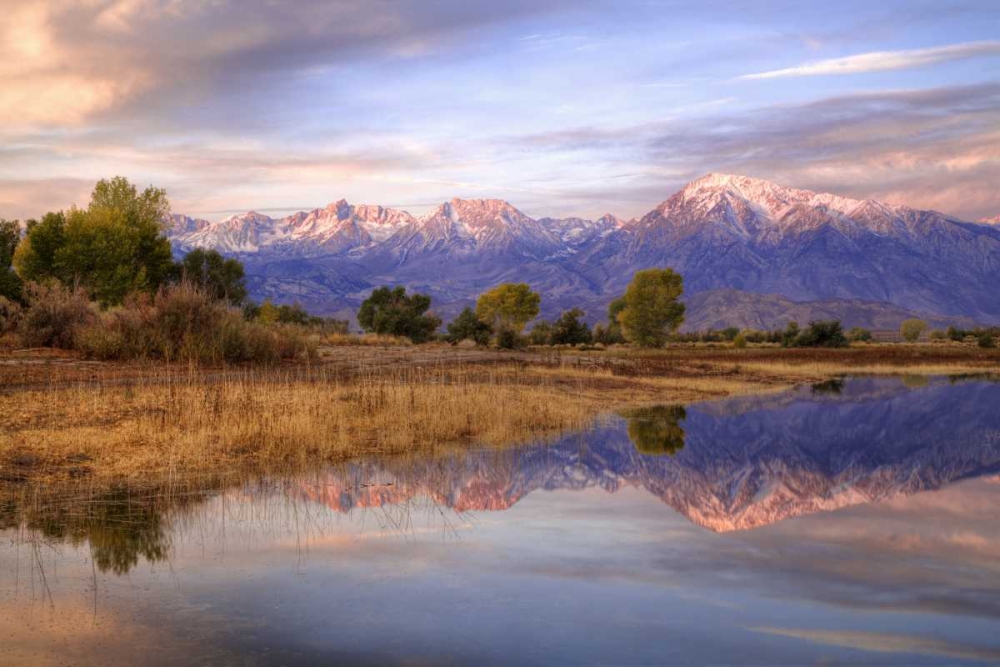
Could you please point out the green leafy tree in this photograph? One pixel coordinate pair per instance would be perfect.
(221, 278)
(35, 258)
(823, 333)
(392, 311)
(859, 335)
(508, 307)
(469, 327)
(912, 329)
(657, 430)
(114, 247)
(541, 333)
(569, 330)
(652, 307)
(790, 335)
(10, 284)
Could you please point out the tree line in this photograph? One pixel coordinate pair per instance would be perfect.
(111, 264)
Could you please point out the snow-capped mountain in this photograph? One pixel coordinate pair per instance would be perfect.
(995, 220)
(720, 231)
(746, 462)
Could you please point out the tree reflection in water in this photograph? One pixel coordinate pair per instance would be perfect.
(657, 430)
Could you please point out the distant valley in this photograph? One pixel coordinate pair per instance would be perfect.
(753, 254)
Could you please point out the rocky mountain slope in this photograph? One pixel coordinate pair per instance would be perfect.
(720, 231)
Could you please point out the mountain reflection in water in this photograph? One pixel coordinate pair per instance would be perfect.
(725, 465)
(562, 553)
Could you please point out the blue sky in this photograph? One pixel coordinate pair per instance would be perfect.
(562, 108)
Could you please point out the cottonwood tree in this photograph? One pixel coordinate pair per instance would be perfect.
(393, 312)
(10, 284)
(508, 307)
(221, 278)
(652, 309)
(912, 329)
(469, 327)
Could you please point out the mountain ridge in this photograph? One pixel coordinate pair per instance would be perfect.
(721, 231)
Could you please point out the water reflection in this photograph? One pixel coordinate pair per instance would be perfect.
(566, 553)
(727, 465)
(657, 430)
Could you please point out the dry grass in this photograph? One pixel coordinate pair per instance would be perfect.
(105, 422)
(370, 339)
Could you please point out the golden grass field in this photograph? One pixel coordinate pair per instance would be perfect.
(62, 417)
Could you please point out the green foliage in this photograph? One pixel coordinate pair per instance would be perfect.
(569, 330)
(740, 341)
(657, 430)
(859, 335)
(392, 312)
(508, 307)
(509, 340)
(469, 327)
(11, 286)
(114, 247)
(986, 340)
(652, 307)
(912, 329)
(791, 334)
(541, 333)
(824, 333)
(221, 278)
(612, 333)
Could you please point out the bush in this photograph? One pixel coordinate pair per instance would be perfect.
(184, 323)
(55, 315)
(393, 312)
(10, 315)
(986, 340)
(912, 329)
(541, 333)
(859, 335)
(740, 341)
(509, 340)
(825, 333)
(469, 327)
(569, 330)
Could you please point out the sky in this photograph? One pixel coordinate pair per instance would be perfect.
(562, 107)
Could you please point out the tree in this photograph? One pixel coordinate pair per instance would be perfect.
(912, 329)
(657, 430)
(469, 327)
(790, 335)
(859, 335)
(114, 247)
(35, 258)
(391, 311)
(10, 284)
(569, 330)
(221, 278)
(652, 307)
(822, 333)
(541, 333)
(508, 307)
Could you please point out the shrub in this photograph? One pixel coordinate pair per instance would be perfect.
(569, 330)
(986, 340)
(541, 333)
(824, 333)
(740, 341)
(912, 329)
(55, 315)
(509, 340)
(469, 327)
(184, 323)
(10, 315)
(859, 335)
(396, 313)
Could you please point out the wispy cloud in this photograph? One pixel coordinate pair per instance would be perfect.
(881, 61)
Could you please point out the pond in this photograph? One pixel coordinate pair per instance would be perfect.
(851, 522)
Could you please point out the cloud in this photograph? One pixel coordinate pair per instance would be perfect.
(883, 642)
(931, 148)
(881, 61)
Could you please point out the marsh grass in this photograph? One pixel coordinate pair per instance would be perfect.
(258, 419)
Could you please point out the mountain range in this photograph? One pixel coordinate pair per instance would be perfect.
(866, 262)
(745, 462)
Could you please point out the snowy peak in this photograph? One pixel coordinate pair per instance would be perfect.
(995, 220)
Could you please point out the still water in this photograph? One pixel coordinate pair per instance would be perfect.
(854, 522)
